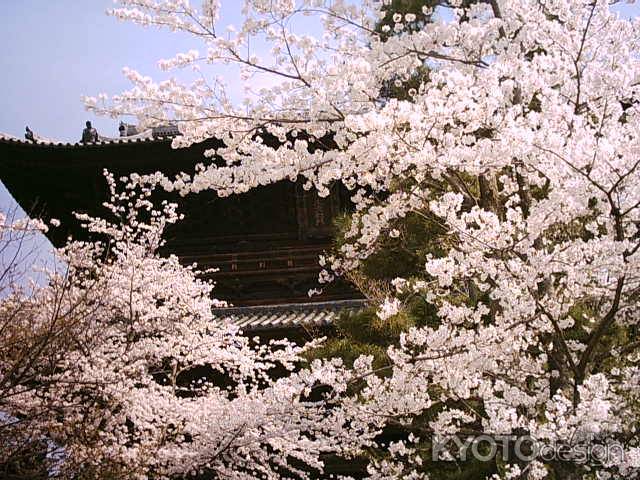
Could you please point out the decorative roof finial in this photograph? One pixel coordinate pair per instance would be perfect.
(89, 134)
(29, 134)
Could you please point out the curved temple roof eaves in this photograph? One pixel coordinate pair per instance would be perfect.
(292, 315)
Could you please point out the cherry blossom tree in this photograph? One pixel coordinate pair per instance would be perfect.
(131, 375)
(520, 141)
(25, 349)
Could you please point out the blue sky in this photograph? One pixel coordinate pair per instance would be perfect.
(56, 51)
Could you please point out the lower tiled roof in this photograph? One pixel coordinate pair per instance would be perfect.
(291, 315)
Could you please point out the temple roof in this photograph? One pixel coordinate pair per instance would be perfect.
(265, 242)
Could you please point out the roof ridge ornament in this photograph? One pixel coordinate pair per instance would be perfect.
(128, 129)
(89, 134)
(28, 134)
(168, 130)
